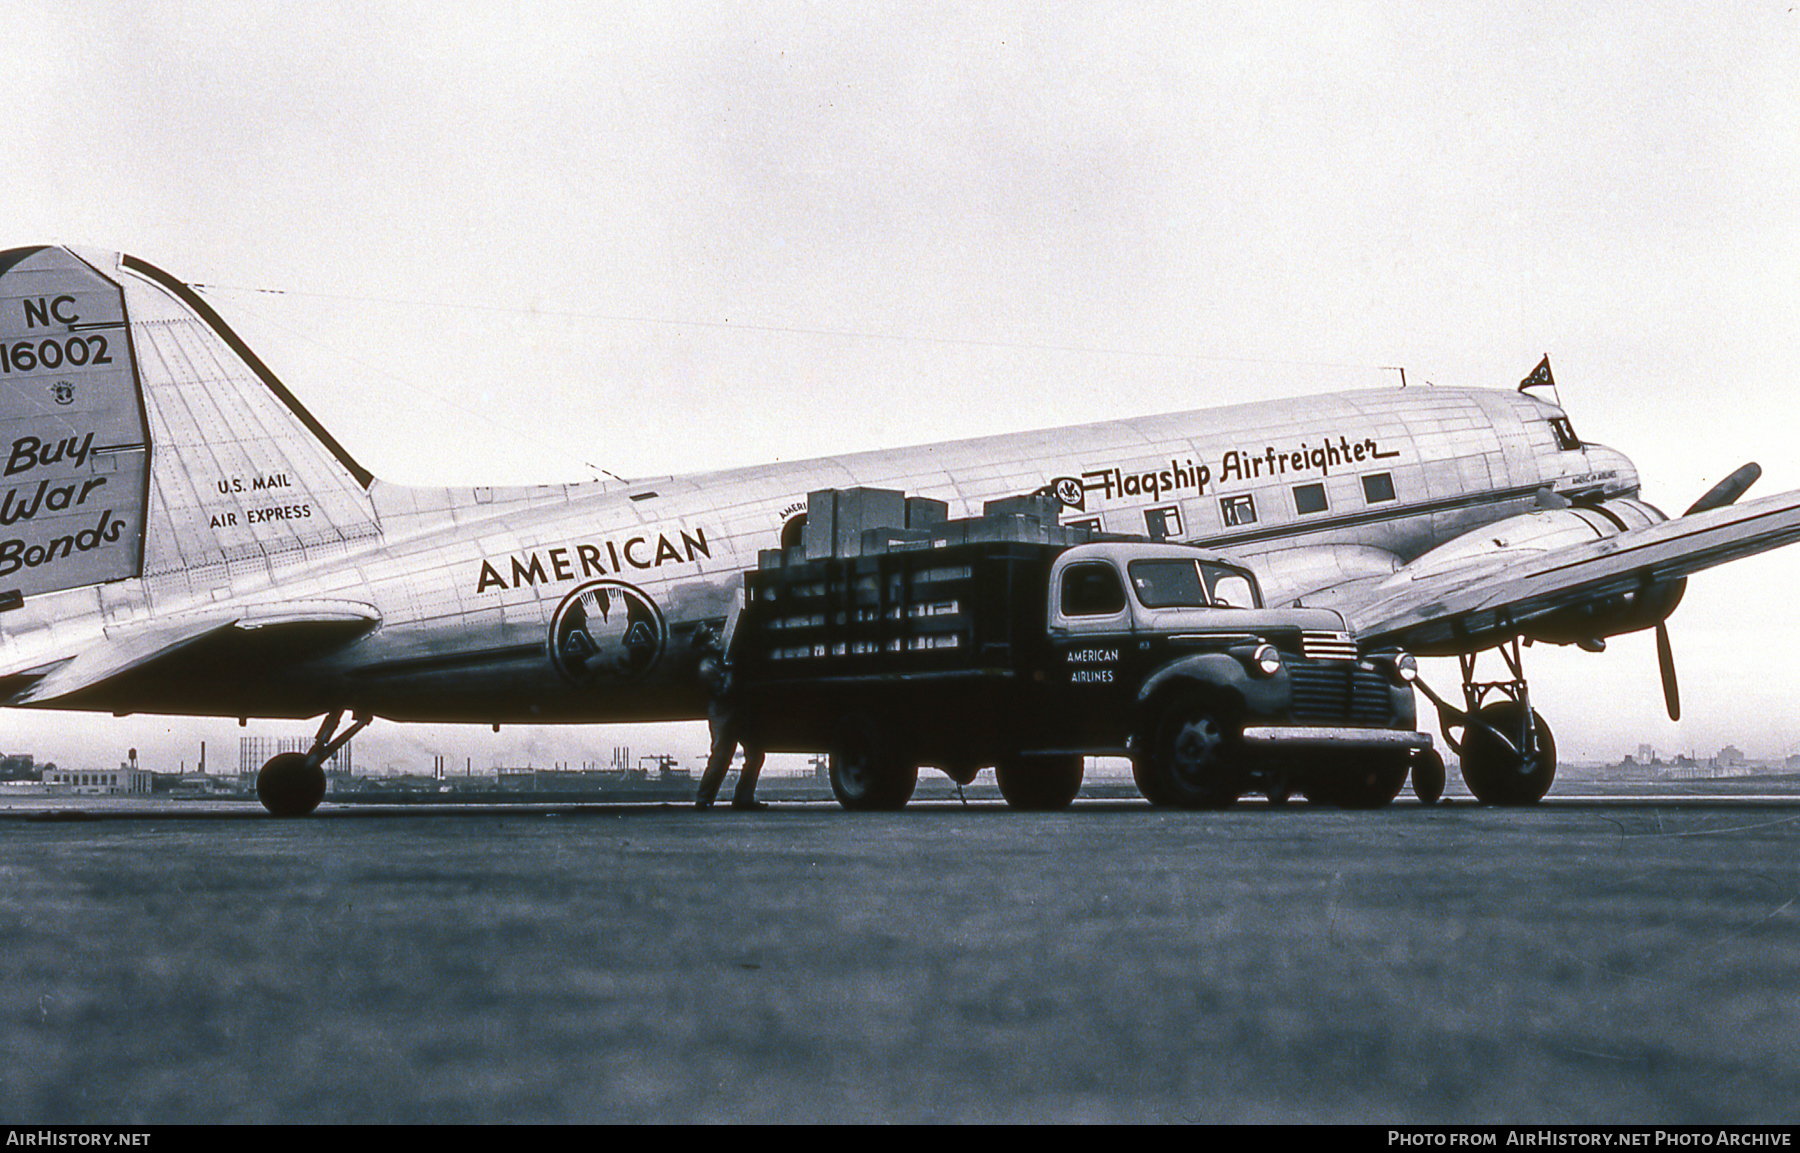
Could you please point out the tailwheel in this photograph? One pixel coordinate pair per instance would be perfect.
(289, 785)
(867, 773)
(1501, 775)
(1428, 776)
(1045, 784)
(1194, 757)
(293, 784)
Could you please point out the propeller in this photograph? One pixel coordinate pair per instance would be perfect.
(1726, 491)
(1718, 496)
(1665, 660)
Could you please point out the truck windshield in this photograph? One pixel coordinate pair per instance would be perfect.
(1161, 584)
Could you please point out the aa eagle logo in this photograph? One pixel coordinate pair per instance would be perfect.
(606, 632)
(63, 392)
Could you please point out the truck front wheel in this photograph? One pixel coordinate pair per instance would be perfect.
(867, 772)
(1041, 783)
(1194, 760)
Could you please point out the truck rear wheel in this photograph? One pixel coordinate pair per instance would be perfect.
(1044, 784)
(1194, 761)
(867, 772)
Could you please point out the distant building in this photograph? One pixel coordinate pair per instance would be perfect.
(668, 767)
(125, 780)
(205, 785)
(255, 752)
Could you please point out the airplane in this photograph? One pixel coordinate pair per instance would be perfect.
(178, 534)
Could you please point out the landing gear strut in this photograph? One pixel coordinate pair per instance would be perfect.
(1508, 752)
(293, 784)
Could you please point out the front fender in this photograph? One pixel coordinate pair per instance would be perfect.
(1259, 696)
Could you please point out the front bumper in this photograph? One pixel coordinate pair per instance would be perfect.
(1288, 736)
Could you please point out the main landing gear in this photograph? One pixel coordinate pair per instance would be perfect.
(1508, 752)
(293, 784)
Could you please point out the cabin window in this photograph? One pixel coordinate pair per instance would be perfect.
(1092, 590)
(1162, 523)
(1565, 433)
(1378, 487)
(1309, 498)
(1237, 510)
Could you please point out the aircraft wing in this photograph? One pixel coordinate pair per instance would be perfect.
(136, 648)
(1432, 610)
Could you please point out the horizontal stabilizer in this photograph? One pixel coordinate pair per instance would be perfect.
(134, 648)
(1437, 607)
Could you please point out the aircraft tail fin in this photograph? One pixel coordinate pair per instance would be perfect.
(140, 437)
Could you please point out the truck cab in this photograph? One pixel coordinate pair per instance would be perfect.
(1225, 694)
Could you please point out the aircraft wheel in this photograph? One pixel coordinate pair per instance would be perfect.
(1496, 774)
(866, 771)
(1428, 776)
(1044, 784)
(289, 787)
(1194, 760)
(1279, 790)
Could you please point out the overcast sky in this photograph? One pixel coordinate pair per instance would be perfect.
(515, 243)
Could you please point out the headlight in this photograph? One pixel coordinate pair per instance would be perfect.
(1406, 667)
(1266, 660)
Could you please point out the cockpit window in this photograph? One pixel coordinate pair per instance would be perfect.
(1565, 433)
(1161, 584)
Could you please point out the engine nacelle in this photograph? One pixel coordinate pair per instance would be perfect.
(1522, 536)
(1642, 608)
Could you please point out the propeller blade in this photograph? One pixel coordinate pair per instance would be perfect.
(1718, 496)
(1728, 490)
(1665, 660)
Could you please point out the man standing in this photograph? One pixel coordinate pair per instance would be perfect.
(725, 718)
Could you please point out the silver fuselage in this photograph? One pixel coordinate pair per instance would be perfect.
(467, 584)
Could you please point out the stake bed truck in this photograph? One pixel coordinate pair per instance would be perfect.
(1010, 640)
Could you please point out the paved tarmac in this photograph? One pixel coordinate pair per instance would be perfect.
(1609, 960)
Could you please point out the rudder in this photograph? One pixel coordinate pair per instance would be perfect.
(144, 438)
(72, 428)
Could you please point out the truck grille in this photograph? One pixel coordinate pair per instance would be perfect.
(1338, 692)
(1320, 646)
